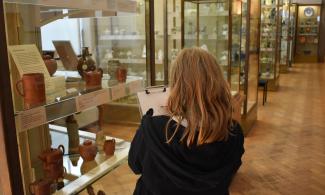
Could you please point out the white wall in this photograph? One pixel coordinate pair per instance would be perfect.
(63, 29)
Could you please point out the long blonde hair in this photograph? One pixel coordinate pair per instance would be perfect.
(200, 95)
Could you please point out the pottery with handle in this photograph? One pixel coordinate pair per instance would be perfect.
(52, 155)
(33, 89)
(88, 150)
(109, 147)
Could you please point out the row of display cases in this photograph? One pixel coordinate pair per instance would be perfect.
(144, 36)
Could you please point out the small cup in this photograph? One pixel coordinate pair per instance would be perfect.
(109, 147)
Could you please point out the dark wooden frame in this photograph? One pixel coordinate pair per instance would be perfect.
(10, 164)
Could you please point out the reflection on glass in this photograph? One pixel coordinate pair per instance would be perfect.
(268, 39)
(292, 32)
(253, 54)
(284, 34)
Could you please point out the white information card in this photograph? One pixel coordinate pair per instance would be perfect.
(155, 98)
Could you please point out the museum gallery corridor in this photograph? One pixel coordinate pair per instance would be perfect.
(285, 151)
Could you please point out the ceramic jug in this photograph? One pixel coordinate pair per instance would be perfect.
(33, 86)
(41, 187)
(88, 150)
(93, 79)
(52, 155)
(109, 147)
(50, 63)
(121, 74)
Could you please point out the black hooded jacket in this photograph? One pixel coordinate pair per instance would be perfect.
(177, 169)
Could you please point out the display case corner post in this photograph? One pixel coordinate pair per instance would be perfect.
(150, 41)
(11, 180)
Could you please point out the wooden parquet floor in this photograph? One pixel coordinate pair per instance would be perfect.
(285, 151)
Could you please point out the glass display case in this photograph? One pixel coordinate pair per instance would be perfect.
(284, 36)
(71, 64)
(292, 32)
(307, 33)
(269, 40)
(216, 27)
(250, 61)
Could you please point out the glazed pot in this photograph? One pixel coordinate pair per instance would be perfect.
(50, 63)
(88, 150)
(41, 187)
(33, 86)
(121, 74)
(93, 79)
(109, 147)
(52, 155)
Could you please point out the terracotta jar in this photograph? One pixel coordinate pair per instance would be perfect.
(53, 163)
(109, 147)
(93, 79)
(52, 155)
(33, 90)
(50, 63)
(121, 74)
(41, 187)
(88, 150)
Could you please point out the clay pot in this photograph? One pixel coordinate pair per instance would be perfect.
(93, 79)
(52, 155)
(53, 163)
(109, 147)
(88, 150)
(41, 187)
(33, 89)
(121, 74)
(50, 63)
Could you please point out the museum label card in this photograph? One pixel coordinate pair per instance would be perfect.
(118, 91)
(135, 86)
(28, 60)
(31, 118)
(92, 99)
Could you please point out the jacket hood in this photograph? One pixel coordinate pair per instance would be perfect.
(194, 168)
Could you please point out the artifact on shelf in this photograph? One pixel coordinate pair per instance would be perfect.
(33, 89)
(73, 134)
(53, 163)
(85, 63)
(40, 187)
(109, 147)
(88, 150)
(50, 63)
(121, 74)
(112, 68)
(93, 79)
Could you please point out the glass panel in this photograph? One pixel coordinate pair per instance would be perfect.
(190, 24)
(307, 37)
(159, 41)
(236, 44)
(115, 44)
(174, 30)
(243, 44)
(268, 38)
(253, 54)
(284, 18)
(292, 32)
(68, 39)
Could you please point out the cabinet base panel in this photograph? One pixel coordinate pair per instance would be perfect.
(247, 121)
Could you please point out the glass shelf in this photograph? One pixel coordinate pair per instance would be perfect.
(80, 101)
(80, 174)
